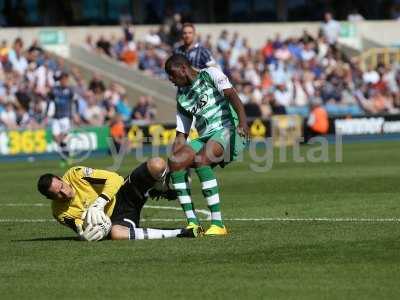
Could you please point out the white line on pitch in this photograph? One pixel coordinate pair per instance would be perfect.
(25, 204)
(202, 211)
(328, 220)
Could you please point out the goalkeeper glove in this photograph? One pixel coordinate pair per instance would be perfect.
(90, 234)
(95, 213)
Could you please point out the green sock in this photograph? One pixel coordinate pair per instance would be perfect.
(181, 186)
(209, 188)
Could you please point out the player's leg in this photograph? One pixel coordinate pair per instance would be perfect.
(211, 154)
(147, 174)
(129, 231)
(130, 200)
(178, 165)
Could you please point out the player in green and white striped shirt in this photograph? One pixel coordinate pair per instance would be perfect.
(207, 97)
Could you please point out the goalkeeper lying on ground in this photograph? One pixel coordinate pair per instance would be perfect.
(86, 199)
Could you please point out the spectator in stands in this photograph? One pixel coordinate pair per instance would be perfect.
(355, 16)
(142, 111)
(199, 56)
(103, 46)
(43, 79)
(223, 43)
(371, 76)
(153, 38)
(62, 108)
(375, 102)
(37, 114)
(267, 51)
(308, 52)
(128, 31)
(309, 66)
(207, 42)
(94, 114)
(252, 109)
(16, 58)
(282, 95)
(27, 100)
(89, 43)
(276, 108)
(330, 28)
(163, 32)
(282, 53)
(96, 85)
(317, 122)
(22, 116)
(306, 37)
(175, 31)
(35, 46)
(300, 95)
(150, 62)
(322, 47)
(8, 116)
(117, 132)
(4, 49)
(122, 108)
(129, 53)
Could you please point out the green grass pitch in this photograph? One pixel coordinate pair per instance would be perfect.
(266, 256)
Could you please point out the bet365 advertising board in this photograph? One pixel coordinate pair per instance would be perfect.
(40, 141)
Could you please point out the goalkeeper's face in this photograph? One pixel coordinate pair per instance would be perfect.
(61, 190)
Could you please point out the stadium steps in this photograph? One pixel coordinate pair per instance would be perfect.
(135, 82)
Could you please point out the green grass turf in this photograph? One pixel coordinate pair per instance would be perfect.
(263, 259)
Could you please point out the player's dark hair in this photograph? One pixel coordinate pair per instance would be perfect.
(44, 184)
(176, 60)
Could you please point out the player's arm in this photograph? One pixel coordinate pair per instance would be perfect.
(90, 233)
(74, 224)
(111, 182)
(224, 86)
(237, 105)
(69, 222)
(179, 142)
(183, 125)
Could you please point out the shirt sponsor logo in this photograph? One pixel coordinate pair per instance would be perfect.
(203, 99)
(87, 171)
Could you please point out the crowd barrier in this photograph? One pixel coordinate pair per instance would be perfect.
(284, 130)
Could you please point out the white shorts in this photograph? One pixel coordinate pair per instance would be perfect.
(60, 126)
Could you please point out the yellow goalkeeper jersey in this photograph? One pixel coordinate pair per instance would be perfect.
(88, 184)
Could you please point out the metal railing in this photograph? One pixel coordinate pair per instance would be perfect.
(374, 56)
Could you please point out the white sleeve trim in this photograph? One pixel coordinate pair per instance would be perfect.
(219, 78)
(183, 123)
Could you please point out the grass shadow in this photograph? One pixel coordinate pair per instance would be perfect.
(65, 238)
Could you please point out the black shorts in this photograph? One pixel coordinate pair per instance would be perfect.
(131, 196)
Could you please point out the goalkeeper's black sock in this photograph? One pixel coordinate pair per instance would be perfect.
(152, 234)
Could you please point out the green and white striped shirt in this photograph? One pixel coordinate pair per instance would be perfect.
(204, 100)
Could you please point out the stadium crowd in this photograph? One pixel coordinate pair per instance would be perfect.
(29, 77)
(285, 76)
